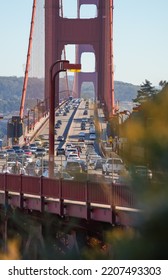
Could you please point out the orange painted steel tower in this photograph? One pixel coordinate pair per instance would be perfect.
(89, 35)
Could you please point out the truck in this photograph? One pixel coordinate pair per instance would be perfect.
(113, 165)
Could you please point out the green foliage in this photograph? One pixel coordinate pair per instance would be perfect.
(145, 93)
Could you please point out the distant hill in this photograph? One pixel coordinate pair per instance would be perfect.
(11, 91)
(125, 91)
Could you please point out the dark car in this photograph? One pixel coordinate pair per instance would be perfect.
(60, 138)
(141, 171)
(85, 112)
(60, 151)
(59, 121)
(40, 152)
(57, 125)
(83, 126)
(74, 166)
(16, 147)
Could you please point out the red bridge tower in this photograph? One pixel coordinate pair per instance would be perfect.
(89, 35)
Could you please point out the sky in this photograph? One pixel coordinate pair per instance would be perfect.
(140, 38)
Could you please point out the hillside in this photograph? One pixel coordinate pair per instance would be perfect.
(11, 90)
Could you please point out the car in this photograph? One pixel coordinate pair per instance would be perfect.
(70, 150)
(83, 125)
(84, 120)
(73, 157)
(32, 145)
(10, 151)
(60, 151)
(33, 150)
(45, 144)
(28, 152)
(92, 129)
(72, 166)
(81, 134)
(85, 112)
(24, 159)
(47, 148)
(19, 152)
(37, 141)
(16, 147)
(142, 171)
(113, 165)
(40, 152)
(81, 139)
(69, 145)
(59, 121)
(60, 138)
(3, 154)
(92, 136)
(98, 164)
(93, 158)
(57, 125)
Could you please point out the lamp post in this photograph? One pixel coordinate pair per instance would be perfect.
(63, 66)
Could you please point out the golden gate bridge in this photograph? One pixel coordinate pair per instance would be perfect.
(50, 32)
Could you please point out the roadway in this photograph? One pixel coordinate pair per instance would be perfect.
(70, 130)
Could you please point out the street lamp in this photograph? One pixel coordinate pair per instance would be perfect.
(64, 65)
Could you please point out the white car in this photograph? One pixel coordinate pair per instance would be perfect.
(113, 165)
(70, 150)
(73, 157)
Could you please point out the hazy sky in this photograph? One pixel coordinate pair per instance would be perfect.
(140, 38)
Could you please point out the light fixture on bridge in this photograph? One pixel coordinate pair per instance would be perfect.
(62, 66)
(72, 67)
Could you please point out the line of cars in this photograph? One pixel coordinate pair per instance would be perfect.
(17, 158)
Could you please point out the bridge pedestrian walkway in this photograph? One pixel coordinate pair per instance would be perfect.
(32, 133)
(104, 144)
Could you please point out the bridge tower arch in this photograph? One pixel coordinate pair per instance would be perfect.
(91, 34)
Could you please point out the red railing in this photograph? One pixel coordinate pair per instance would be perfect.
(79, 199)
(92, 192)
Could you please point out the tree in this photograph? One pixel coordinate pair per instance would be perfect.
(145, 93)
(163, 83)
